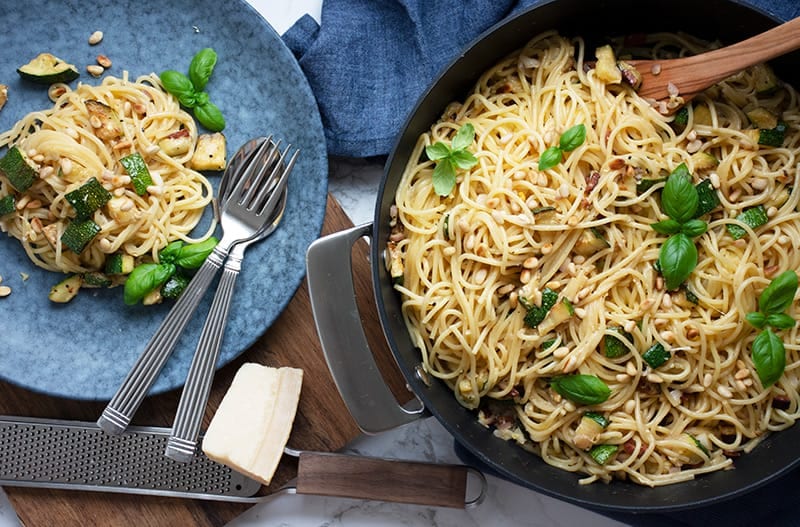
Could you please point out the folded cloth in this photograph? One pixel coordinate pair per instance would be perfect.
(368, 61)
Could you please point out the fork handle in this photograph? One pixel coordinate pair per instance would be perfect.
(119, 411)
(182, 443)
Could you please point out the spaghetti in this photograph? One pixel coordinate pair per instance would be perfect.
(474, 260)
(71, 143)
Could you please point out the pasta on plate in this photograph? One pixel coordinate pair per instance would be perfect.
(86, 137)
(538, 294)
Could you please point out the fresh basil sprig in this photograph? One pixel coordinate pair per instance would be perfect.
(189, 90)
(147, 277)
(769, 353)
(582, 389)
(679, 200)
(569, 141)
(450, 158)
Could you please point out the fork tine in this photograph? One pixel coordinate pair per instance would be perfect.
(244, 182)
(256, 182)
(267, 199)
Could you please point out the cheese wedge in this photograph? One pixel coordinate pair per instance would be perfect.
(252, 424)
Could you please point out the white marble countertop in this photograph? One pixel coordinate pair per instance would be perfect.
(354, 183)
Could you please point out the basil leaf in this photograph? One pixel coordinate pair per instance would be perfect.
(757, 319)
(437, 151)
(464, 137)
(193, 255)
(201, 67)
(550, 158)
(668, 226)
(582, 389)
(189, 100)
(170, 253)
(694, 228)
(679, 198)
(177, 83)
(463, 159)
(444, 177)
(779, 294)
(572, 138)
(144, 279)
(769, 357)
(201, 98)
(780, 321)
(677, 258)
(210, 116)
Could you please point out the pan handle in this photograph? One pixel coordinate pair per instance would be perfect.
(344, 344)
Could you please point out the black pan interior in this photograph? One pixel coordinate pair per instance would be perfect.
(726, 20)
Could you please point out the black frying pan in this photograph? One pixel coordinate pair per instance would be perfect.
(726, 20)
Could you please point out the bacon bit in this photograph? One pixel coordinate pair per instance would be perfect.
(591, 181)
(781, 402)
(771, 270)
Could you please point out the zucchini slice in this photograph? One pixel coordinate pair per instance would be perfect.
(17, 169)
(7, 205)
(708, 198)
(772, 136)
(656, 355)
(536, 314)
(753, 217)
(602, 454)
(66, 289)
(644, 185)
(48, 69)
(88, 198)
(613, 346)
(137, 169)
(78, 234)
(95, 279)
(119, 263)
(590, 242)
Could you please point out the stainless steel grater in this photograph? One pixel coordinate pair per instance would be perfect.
(79, 455)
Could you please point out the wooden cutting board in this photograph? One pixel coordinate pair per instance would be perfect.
(322, 423)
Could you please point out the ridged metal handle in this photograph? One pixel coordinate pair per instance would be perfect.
(120, 410)
(182, 443)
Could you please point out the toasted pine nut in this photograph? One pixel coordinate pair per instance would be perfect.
(622, 377)
(630, 368)
(104, 61)
(4, 291)
(95, 70)
(530, 263)
(724, 391)
(95, 38)
(630, 406)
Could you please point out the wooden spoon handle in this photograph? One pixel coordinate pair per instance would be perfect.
(696, 73)
(350, 476)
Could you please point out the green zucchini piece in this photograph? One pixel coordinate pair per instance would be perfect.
(703, 161)
(7, 205)
(66, 289)
(766, 80)
(612, 346)
(78, 234)
(590, 242)
(708, 198)
(681, 118)
(699, 445)
(46, 68)
(753, 217)
(96, 279)
(137, 169)
(602, 454)
(656, 355)
(598, 418)
(16, 168)
(762, 118)
(773, 136)
(559, 313)
(174, 286)
(536, 314)
(88, 198)
(643, 185)
(690, 296)
(119, 263)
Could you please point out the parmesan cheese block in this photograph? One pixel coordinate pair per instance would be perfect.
(252, 424)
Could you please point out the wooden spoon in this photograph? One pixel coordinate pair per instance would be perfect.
(689, 76)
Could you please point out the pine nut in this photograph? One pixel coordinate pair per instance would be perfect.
(95, 70)
(724, 391)
(531, 263)
(513, 298)
(707, 379)
(480, 276)
(563, 191)
(580, 312)
(553, 284)
(95, 121)
(630, 406)
(66, 165)
(561, 352)
(505, 289)
(630, 368)
(95, 38)
(741, 385)
(630, 325)
(525, 276)
(622, 377)
(104, 61)
(654, 378)
(759, 183)
(714, 177)
(4, 291)
(742, 374)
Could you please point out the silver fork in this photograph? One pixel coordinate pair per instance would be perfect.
(238, 224)
(182, 443)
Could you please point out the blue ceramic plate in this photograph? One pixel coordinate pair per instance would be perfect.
(84, 349)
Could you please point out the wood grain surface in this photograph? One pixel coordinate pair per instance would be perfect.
(322, 423)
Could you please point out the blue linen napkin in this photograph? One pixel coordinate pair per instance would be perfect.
(370, 60)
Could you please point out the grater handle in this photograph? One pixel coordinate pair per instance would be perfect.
(118, 413)
(400, 481)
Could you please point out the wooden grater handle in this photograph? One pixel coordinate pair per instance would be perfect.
(419, 483)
